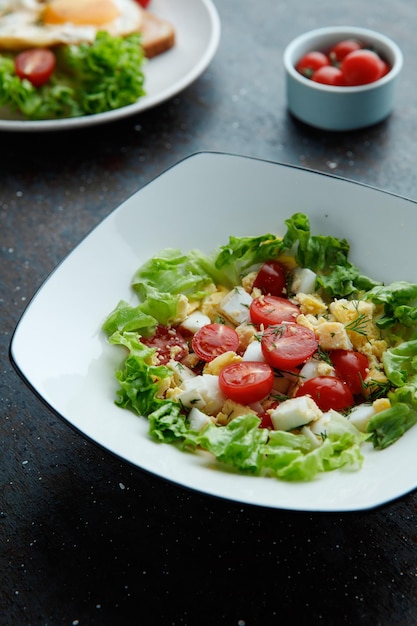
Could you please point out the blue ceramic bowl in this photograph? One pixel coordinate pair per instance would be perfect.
(340, 108)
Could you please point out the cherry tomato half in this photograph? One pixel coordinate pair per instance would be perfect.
(168, 343)
(351, 367)
(328, 392)
(247, 381)
(343, 48)
(311, 62)
(329, 75)
(271, 279)
(212, 340)
(272, 310)
(361, 67)
(287, 345)
(36, 65)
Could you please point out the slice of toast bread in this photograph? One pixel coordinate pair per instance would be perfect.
(158, 35)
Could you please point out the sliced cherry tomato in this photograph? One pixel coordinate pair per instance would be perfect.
(169, 344)
(361, 67)
(351, 367)
(328, 392)
(329, 75)
(214, 339)
(246, 381)
(311, 62)
(271, 278)
(36, 65)
(287, 345)
(343, 48)
(272, 310)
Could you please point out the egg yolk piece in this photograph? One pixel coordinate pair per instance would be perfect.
(80, 12)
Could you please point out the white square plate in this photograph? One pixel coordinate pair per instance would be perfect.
(58, 346)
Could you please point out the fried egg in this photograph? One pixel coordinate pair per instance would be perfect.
(42, 23)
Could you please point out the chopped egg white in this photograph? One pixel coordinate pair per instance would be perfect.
(235, 306)
(195, 321)
(254, 352)
(295, 412)
(197, 419)
(202, 392)
(303, 280)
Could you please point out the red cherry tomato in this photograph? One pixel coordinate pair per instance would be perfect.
(328, 392)
(214, 339)
(343, 48)
(271, 278)
(247, 381)
(351, 367)
(272, 310)
(287, 345)
(168, 343)
(311, 62)
(362, 67)
(329, 75)
(36, 65)
(143, 3)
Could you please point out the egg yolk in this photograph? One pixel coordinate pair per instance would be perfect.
(81, 12)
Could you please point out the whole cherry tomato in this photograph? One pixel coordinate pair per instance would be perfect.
(342, 49)
(329, 75)
(143, 3)
(311, 62)
(362, 67)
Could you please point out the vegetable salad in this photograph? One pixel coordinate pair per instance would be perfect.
(275, 354)
(85, 79)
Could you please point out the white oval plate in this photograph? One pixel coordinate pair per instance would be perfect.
(60, 351)
(197, 27)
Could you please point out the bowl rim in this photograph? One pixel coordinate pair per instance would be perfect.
(345, 31)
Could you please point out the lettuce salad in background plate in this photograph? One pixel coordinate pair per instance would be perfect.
(167, 282)
(88, 79)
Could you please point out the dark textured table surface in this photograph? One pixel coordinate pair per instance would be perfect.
(86, 539)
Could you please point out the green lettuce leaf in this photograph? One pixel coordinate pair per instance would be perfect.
(293, 457)
(138, 379)
(325, 255)
(106, 74)
(386, 427)
(400, 303)
(244, 254)
(127, 318)
(237, 444)
(164, 279)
